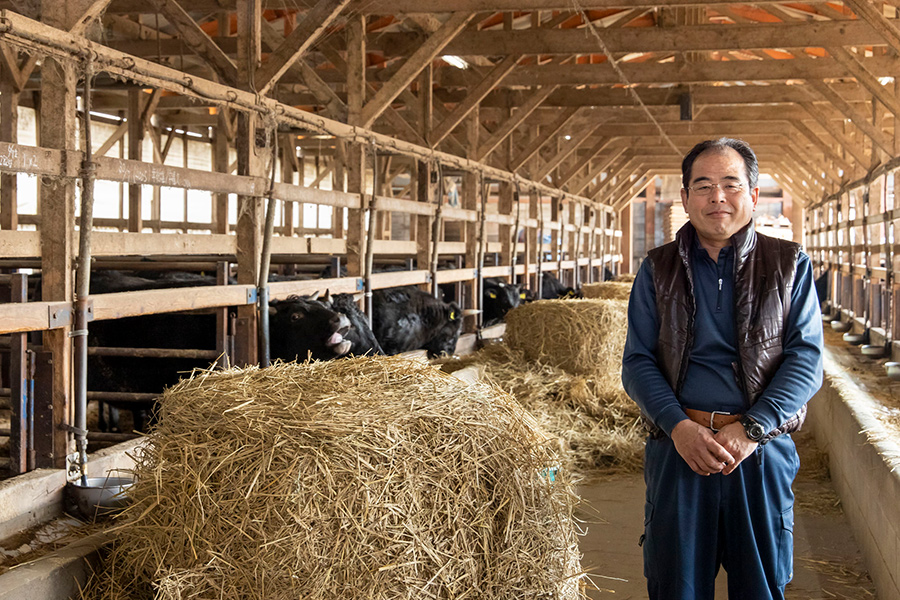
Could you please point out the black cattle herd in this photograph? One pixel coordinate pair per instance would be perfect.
(301, 327)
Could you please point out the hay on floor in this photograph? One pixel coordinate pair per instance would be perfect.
(626, 277)
(607, 290)
(376, 478)
(600, 433)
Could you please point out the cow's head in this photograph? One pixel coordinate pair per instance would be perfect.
(304, 326)
(446, 331)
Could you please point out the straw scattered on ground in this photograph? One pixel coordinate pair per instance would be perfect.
(607, 290)
(626, 277)
(376, 478)
(600, 432)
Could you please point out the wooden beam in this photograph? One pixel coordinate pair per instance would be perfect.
(878, 137)
(597, 170)
(425, 53)
(198, 40)
(817, 141)
(314, 24)
(875, 17)
(506, 128)
(599, 147)
(866, 79)
(565, 117)
(690, 38)
(564, 152)
(698, 72)
(843, 141)
(388, 7)
(90, 16)
(473, 98)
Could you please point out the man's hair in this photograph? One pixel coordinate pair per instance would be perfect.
(739, 146)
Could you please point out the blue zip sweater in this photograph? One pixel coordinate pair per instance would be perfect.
(710, 383)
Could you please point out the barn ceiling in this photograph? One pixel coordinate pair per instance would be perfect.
(558, 91)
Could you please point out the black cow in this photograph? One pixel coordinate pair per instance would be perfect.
(303, 326)
(498, 298)
(552, 288)
(327, 329)
(406, 318)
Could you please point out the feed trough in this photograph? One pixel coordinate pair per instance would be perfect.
(873, 350)
(856, 338)
(841, 326)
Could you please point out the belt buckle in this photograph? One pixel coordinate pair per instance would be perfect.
(712, 417)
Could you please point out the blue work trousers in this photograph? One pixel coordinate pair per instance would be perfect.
(743, 521)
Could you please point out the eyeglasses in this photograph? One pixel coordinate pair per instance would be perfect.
(705, 189)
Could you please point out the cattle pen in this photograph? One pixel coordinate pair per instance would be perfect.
(247, 151)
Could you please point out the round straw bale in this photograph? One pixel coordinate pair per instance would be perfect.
(375, 478)
(583, 337)
(608, 290)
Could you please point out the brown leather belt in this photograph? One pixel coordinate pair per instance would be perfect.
(714, 420)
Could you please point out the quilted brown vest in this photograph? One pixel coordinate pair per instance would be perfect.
(764, 270)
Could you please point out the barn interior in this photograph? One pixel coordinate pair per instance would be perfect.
(358, 145)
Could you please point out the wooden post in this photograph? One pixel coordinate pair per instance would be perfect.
(135, 145)
(532, 240)
(9, 127)
(288, 156)
(627, 241)
(574, 241)
(220, 165)
(650, 219)
(250, 162)
(18, 386)
(355, 154)
(505, 207)
(424, 193)
(471, 200)
(556, 234)
(58, 130)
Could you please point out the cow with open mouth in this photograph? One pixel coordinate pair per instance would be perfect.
(304, 327)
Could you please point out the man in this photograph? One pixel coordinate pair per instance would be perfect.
(724, 349)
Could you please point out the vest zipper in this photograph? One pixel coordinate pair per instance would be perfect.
(719, 297)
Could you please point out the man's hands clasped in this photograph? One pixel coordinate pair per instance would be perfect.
(706, 452)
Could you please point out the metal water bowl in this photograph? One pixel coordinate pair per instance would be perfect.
(841, 326)
(893, 370)
(101, 496)
(873, 350)
(855, 338)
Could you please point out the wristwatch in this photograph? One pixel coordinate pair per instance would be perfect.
(752, 428)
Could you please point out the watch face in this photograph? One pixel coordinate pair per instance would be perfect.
(756, 431)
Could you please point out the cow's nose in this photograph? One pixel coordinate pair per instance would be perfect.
(340, 323)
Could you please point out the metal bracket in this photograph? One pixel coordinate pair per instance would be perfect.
(251, 295)
(60, 315)
(74, 468)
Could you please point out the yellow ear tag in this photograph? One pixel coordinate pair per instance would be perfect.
(452, 315)
(522, 295)
(492, 295)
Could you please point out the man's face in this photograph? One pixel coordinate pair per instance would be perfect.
(720, 214)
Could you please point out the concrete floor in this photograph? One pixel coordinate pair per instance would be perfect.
(827, 562)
